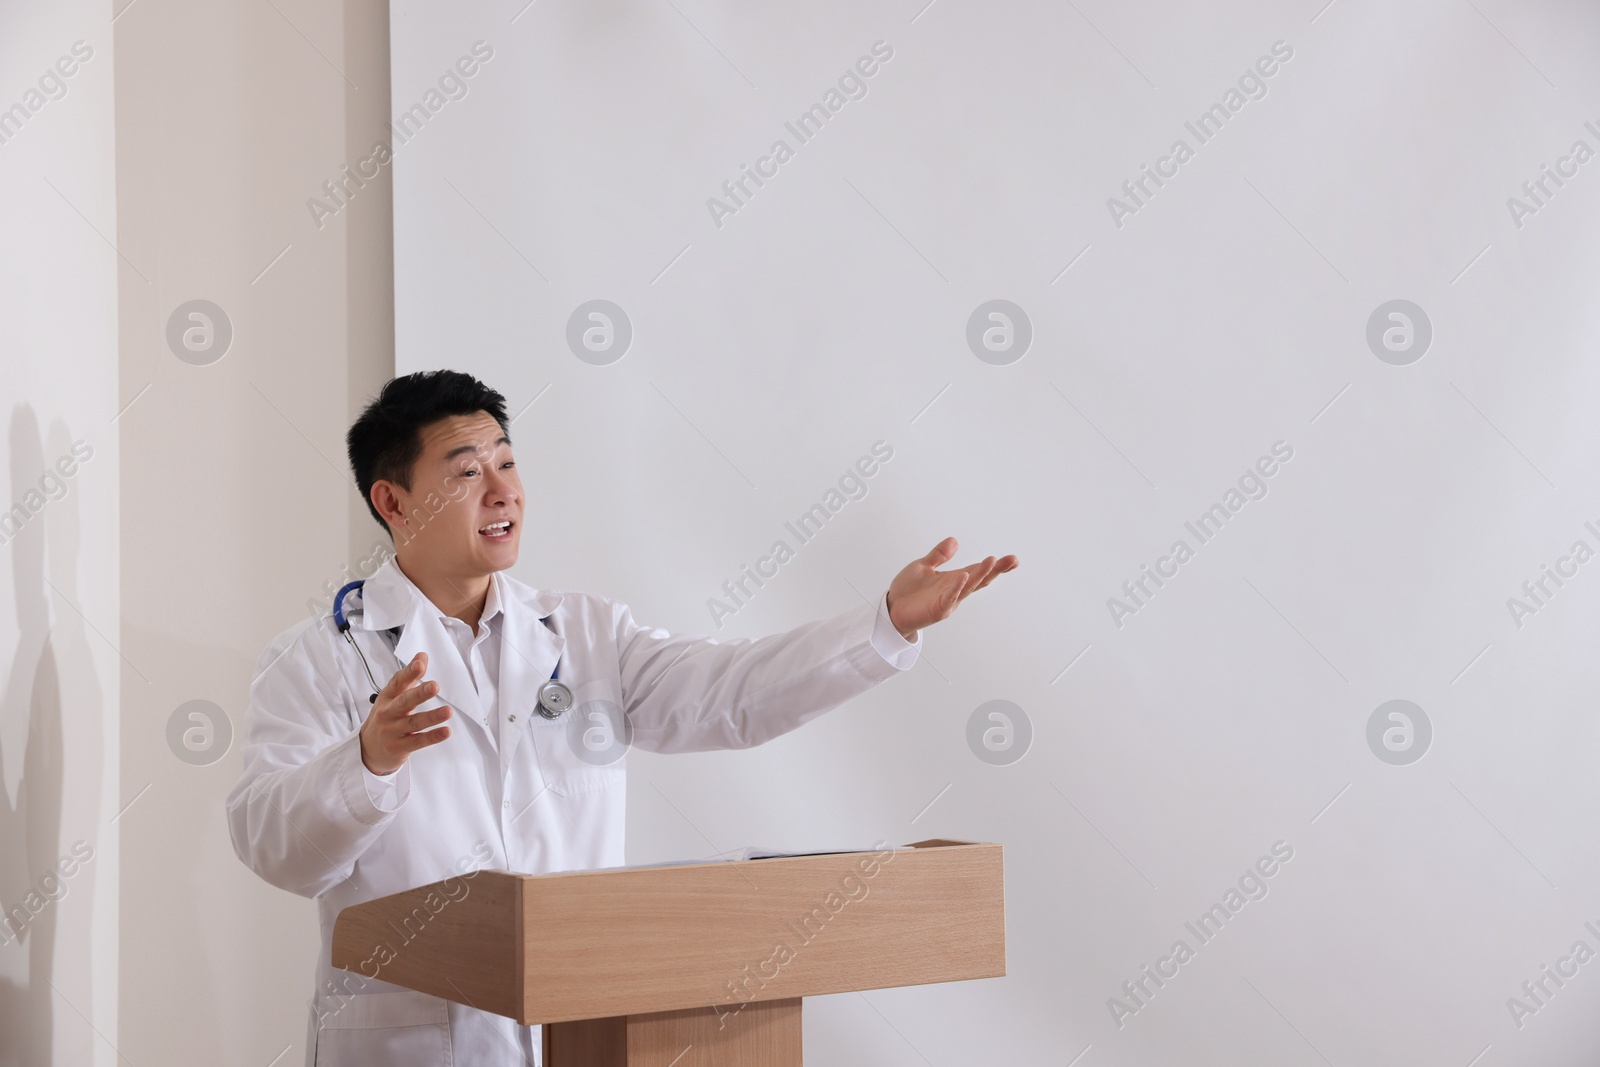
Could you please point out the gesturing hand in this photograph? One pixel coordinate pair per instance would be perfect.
(391, 732)
(921, 595)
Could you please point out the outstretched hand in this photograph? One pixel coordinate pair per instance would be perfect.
(921, 595)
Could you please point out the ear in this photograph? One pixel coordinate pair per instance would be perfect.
(386, 497)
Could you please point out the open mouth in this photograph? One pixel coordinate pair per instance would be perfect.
(497, 531)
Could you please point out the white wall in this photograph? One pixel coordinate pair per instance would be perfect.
(59, 598)
(1229, 312)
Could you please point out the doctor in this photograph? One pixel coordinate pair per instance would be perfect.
(451, 766)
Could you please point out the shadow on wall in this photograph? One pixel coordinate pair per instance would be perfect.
(40, 697)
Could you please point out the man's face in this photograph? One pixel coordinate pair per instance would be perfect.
(463, 512)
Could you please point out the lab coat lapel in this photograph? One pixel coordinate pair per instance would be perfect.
(426, 633)
(529, 651)
(388, 599)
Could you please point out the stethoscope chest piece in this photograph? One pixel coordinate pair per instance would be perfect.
(555, 697)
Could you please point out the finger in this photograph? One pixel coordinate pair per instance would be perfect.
(422, 720)
(976, 571)
(1004, 566)
(1001, 566)
(407, 702)
(404, 702)
(405, 677)
(993, 572)
(412, 742)
(942, 552)
(980, 567)
(978, 578)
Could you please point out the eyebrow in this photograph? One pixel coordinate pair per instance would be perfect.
(463, 449)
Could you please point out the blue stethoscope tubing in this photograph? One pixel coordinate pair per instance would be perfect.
(555, 696)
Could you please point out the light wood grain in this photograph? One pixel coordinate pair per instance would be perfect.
(614, 943)
(455, 939)
(586, 1043)
(611, 943)
(768, 1035)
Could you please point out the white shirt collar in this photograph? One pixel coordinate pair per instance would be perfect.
(390, 599)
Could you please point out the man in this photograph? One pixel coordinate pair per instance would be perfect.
(338, 800)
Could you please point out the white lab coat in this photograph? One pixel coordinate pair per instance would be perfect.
(308, 817)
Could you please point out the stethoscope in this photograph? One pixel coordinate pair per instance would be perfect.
(555, 697)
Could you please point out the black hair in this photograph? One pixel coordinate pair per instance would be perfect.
(386, 441)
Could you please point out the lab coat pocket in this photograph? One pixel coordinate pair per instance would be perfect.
(585, 749)
(406, 1029)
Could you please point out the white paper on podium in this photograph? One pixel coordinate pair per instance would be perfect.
(752, 852)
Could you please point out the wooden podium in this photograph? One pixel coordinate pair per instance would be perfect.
(633, 967)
